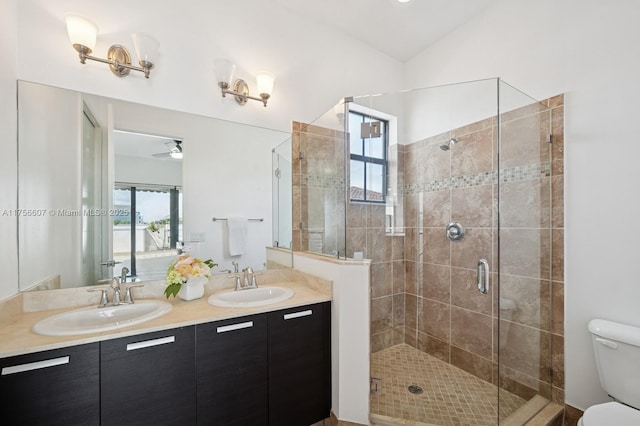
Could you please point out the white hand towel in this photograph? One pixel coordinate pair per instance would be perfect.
(237, 235)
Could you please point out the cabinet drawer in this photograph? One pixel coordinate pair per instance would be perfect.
(299, 365)
(149, 378)
(58, 387)
(231, 359)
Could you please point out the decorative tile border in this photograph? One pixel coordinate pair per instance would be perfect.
(319, 181)
(514, 174)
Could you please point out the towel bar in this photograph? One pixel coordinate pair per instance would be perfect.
(224, 218)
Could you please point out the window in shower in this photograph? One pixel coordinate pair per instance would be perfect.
(368, 140)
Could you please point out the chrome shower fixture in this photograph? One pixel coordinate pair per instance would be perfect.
(447, 146)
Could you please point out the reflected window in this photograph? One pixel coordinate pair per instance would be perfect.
(147, 228)
(368, 141)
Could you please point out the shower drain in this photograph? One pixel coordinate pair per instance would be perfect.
(415, 389)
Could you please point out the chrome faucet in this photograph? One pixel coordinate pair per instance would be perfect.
(115, 300)
(123, 274)
(238, 281)
(247, 276)
(247, 280)
(115, 285)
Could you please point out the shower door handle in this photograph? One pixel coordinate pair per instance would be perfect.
(483, 276)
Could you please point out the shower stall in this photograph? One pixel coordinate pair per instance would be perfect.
(455, 195)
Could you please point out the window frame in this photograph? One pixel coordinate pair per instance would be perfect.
(365, 160)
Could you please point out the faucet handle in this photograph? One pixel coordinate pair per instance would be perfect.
(128, 297)
(254, 283)
(237, 278)
(103, 298)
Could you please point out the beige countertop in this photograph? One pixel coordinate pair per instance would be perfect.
(16, 337)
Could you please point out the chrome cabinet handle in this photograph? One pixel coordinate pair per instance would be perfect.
(150, 343)
(483, 276)
(298, 314)
(232, 327)
(35, 365)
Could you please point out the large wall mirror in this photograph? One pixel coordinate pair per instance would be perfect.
(108, 187)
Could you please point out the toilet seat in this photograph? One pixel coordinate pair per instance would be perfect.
(611, 413)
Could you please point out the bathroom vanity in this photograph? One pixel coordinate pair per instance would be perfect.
(198, 364)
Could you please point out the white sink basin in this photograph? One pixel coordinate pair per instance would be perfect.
(93, 319)
(252, 297)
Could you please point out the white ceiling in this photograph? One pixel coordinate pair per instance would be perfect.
(401, 30)
(143, 146)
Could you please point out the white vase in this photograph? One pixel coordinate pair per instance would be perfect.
(193, 288)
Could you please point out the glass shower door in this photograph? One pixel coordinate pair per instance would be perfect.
(433, 285)
(526, 230)
(460, 241)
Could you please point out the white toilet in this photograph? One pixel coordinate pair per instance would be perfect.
(617, 350)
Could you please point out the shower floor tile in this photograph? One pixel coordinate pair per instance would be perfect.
(451, 396)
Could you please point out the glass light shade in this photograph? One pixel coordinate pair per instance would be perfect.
(81, 31)
(146, 47)
(264, 81)
(223, 70)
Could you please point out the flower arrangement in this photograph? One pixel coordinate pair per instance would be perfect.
(184, 268)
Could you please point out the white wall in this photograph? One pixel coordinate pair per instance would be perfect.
(314, 66)
(350, 321)
(148, 170)
(50, 123)
(587, 50)
(8, 164)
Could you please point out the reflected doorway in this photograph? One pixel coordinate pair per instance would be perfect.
(147, 204)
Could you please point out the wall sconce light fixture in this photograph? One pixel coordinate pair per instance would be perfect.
(224, 73)
(82, 35)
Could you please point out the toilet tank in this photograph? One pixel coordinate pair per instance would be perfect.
(617, 351)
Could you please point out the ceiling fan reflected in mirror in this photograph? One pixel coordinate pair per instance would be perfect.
(175, 150)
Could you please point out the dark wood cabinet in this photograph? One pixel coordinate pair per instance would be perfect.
(266, 369)
(231, 371)
(56, 387)
(300, 365)
(149, 379)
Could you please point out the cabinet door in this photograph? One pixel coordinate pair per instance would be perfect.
(299, 365)
(232, 372)
(149, 379)
(57, 387)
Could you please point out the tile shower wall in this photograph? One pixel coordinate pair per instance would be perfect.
(319, 225)
(388, 265)
(318, 189)
(445, 315)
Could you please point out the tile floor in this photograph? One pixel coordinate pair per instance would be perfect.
(451, 396)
